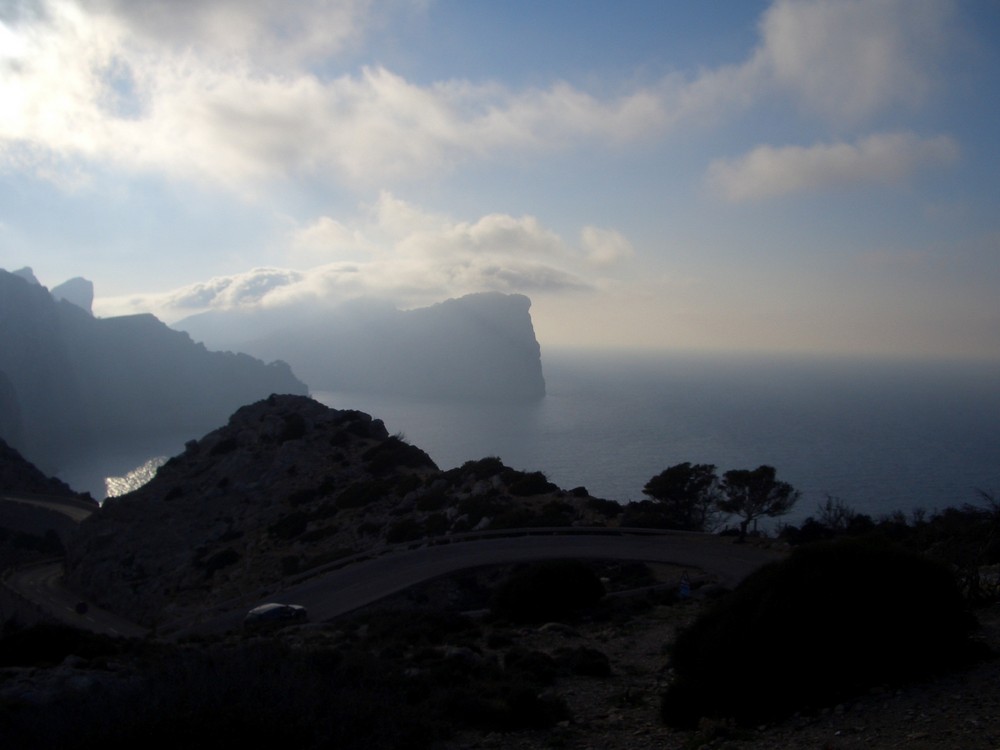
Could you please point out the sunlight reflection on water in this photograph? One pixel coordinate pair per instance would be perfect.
(133, 480)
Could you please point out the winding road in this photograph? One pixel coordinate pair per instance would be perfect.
(363, 582)
(346, 589)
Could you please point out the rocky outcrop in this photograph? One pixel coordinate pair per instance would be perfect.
(20, 477)
(476, 347)
(286, 486)
(69, 377)
(77, 291)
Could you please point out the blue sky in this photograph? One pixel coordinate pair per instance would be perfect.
(798, 175)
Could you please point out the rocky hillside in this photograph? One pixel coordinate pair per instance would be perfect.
(289, 484)
(20, 477)
(68, 377)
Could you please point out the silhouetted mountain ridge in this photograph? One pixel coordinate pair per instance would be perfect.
(476, 347)
(67, 377)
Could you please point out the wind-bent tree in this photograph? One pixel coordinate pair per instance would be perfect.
(752, 494)
(687, 495)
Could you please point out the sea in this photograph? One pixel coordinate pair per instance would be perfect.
(878, 435)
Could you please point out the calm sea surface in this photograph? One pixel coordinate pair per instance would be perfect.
(878, 435)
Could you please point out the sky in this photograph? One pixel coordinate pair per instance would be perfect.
(815, 176)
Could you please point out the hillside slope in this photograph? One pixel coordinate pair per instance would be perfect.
(286, 485)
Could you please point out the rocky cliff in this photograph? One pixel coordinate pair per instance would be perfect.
(19, 477)
(480, 346)
(67, 377)
(287, 485)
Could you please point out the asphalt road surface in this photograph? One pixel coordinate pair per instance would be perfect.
(42, 586)
(76, 511)
(354, 586)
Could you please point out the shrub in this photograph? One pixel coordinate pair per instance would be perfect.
(481, 469)
(404, 530)
(588, 662)
(645, 514)
(830, 620)
(290, 565)
(302, 496)
(436, 524)
(430, 501)
(290, 526)
(221, 559)
(393, 452)
(224, 446)
(293, 428)
(360, 494)
(607, 508)
(536, 667)
(534, 483)
(48, 644)
(551, 590)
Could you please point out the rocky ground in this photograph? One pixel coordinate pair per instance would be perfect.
(621, 711)
(614, 711)
(286, 486)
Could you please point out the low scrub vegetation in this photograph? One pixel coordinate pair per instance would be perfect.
(553, 590)
(830, 620)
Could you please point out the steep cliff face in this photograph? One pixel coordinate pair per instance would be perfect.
(77, 291)
(70, 377)
(481, 346)
(287, 485)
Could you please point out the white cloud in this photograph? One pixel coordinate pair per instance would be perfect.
(886, 158)
(605, 247)
(269, 32)
(400, 253)
(849, 59)
(230, 92)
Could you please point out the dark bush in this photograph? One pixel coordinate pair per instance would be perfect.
(645, 514)
(481, 469)
(404, 530)
(830, 620)
(360, 494)
(257, 695)
(392, 453)
(607, 508)
(224, 446)
(505, 705)
(290, 565)
(408, 483)
(479, 507)
(534, 483)
(588, 662)
(431, 501)
(536, 667)
(293, 429)
(289, 526)
(551, 590)
(436, 524)
(48, 644)
(303, 496)
(221, 559)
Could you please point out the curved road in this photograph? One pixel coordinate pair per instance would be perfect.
(42, 586)
(74, 509)
(346, 589)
